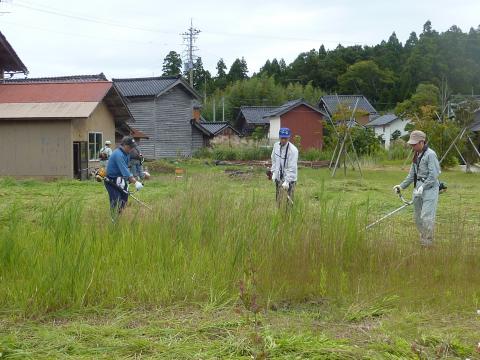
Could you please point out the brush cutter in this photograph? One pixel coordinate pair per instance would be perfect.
(405, 204)
(107, 180)
(288, 197)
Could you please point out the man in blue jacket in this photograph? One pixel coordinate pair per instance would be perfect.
(118, 175)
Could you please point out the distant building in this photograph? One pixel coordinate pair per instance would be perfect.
(216, 132)
(304, 120)
(253, 117)
(386, 125)
(53, 127)
(162, 108)
(364, 111)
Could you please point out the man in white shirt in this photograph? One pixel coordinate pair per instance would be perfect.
(105, 154)
(284, 166)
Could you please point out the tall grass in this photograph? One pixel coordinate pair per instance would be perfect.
(195, 246)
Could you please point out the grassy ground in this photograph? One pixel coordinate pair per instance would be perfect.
(215, 271)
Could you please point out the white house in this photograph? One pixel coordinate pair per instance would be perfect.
(386, 125)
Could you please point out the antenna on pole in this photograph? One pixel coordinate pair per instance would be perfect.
(189, 39)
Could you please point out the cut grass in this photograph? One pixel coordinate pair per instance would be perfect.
(304, 332)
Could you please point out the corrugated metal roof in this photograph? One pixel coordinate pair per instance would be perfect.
(73, 78)
(9, 58)
(144, 86)
(54, 92)
(383, 120)
(331, 103)
(255, 114)
(51, 110)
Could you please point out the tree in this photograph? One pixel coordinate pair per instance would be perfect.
(202, 78)
(221, 77)
(238, 70)
(366, 78)
(425, 95)
(172, 64)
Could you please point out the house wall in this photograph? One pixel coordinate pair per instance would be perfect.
(274, 129)
(363, 120)
(173, 112)
(166, 121)
(306, 123)
(143, 112)
(198, 140)
(36, 148)
(100, 120)
(386, 131)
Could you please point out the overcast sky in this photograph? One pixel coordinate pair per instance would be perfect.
(131, 38)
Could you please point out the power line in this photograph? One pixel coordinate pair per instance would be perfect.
(58, 12)
(53, 11)
(83, 35)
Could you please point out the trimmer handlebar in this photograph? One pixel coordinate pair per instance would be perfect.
(400, 195)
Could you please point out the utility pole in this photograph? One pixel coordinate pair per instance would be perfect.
(189, 39)
(223, 108)
(214, 110)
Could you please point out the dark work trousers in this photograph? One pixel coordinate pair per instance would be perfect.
(280, 195)
(118, 199)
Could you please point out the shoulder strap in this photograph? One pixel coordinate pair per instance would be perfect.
(286, 154)
(417, 164)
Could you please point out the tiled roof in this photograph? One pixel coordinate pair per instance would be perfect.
(282, 109)
(144, 86)
(57, 79)
(9, 59)
(256, 114)
(383, 120)
(212, 128)
(54, 92)
(331, 103)
(152, 86)
(475, 126)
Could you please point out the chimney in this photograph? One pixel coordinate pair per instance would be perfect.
(197, 109)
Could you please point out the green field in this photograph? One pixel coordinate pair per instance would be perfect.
(217, 271)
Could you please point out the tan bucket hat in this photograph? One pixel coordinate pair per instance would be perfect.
(416, 136)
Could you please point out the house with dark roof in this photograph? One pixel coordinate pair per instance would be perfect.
(305, 121)
(386, 125)
(163, 111)
(220, 132)
(56, 128)
(251, 117)
(364, 111)
(10, 63)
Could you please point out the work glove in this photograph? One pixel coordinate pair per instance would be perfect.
(285, 185)
(274, 178)
(138, 185)
(397, 189)
(418, 192)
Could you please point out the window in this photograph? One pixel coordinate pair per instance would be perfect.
(94, 145)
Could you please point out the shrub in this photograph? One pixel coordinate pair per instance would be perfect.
(316, 155)
(398, 150)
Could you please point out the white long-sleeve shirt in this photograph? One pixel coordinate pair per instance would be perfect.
(289, 167)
